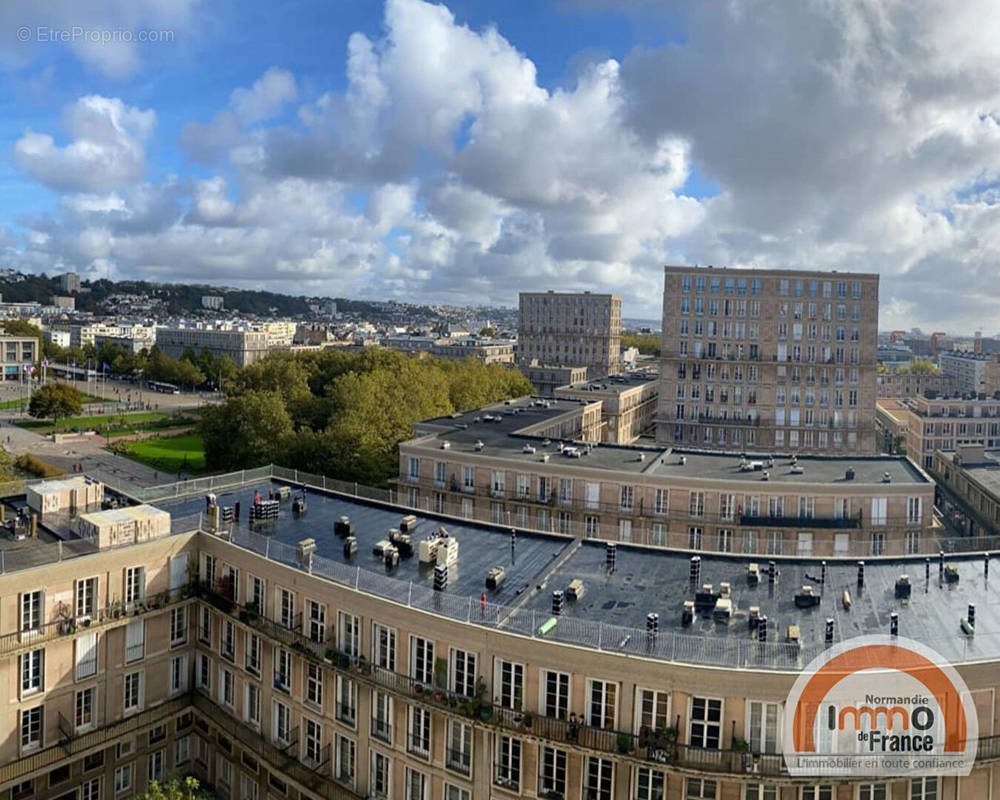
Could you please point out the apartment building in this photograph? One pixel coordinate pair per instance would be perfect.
(570, 329)
(270, 661)
(537, 465)
(17, 356)
(941, 423)
(244, 347)
(768, 360)
(969, 477)
(628, 403)
(971, 373)
(907, 384)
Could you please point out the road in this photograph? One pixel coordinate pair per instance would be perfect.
(118, 392)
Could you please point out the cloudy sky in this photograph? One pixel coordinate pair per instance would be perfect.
(461, 152)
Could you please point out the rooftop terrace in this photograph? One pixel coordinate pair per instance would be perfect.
(612, 611)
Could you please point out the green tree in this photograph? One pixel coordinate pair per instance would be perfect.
(248, 430)
(923, 366)
(55, 401)
(174, 789)
(647, 343)
(487, 332)
(21, 327)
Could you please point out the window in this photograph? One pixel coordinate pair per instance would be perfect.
(91, 789)
(32, 604)
(650, 784)
(225, 771)
(135, 640)
(182, 750)
(598, 779)
(205, 626)
(555, 694)
(760, 791)
(552, 771)
(317, 621)
(84, 715)
(508, 763)
(416, 785)
(344, 770)
(452, 792)
(123, 778)
(459, 751)
(251, 704)
(601, 711)
(178, 625)
(255, 593)
(286, 608)
(86, 597)
(381, 726)
(379, 775)
(913, 510)
(135, 585)
(924, 788)
(133, 691)
(699, 789)
(282, 723)
(314, 741)
(227, 642)
(510, 682)
(346, 706)
(418, 725)
(654, 710)
(421, 659)
(463, 672)
(879, 510)
(282, 669)
(762, 726)
(661, 501)
(252, 662)
(314, 684)
(349, 634)
(696, 505)
(204, 677)
(706, 723)
(227, 687)
(178, 674)
(817, 793)
(32, 672)
(383, 646)
(155, 766)
(251, 789)
(872, 791)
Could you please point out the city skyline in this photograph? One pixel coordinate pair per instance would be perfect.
(464, 152)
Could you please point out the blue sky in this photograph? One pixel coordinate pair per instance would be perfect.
(463, 151)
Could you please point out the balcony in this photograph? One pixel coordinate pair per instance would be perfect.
(790, 521)
(346, 713)
(381, 729)
(506, 778)
(418, 745)
(458, 761)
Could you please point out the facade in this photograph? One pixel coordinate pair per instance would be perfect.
(546, 378)
(65, 302)
(628, 403)
(57, 337)
(536, 464)
(971, 373)
(17, 355)
(213, 302)
(69, 282)
(569, 329)
(768, 360)
(942, 423)
(488, 351)
(270, 669)
(969, 478)
(243, 347)
(906, 384)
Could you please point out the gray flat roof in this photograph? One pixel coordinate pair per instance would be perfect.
(612, 611)
(986, 474)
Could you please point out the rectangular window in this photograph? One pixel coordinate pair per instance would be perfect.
(135, 640)
(253, 649)
(84, 713)
(349, 634)
(700, 789)
(552, 772)
(32, 604)
(31, 727)
(508, 763)
(384, 646)
(91, 789)
(314, 742)
(762, 726)
(282, 723)
(123, 778)
(914, 510)
(510, 681)
(32, 672)
(282, 669)
(555, 694)
(421, 659)
(418, 723)
(251, 703)
(654, 710)
(925, 788)
(381, 725)
(346, 700)
(227, 688)
(317, 621)
(598, 778)
(602, 705)
(463, 672)
(133, 691)
(379, 779)
(459, 753)
(178, 674)
(205, 626)
(346, 751)
(705, 723)
(135, 585)
(286, 608)
(314, 684)
(86, 597)
(872, 791)
(182, 751)
(178, 625)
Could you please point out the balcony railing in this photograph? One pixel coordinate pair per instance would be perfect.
(793, 521)
(506, 778)
(381, 729)
(458, 760)
(346, 712)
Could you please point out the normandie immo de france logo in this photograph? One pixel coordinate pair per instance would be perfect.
(877, 706)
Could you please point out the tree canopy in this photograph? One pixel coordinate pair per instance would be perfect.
(55, 401)
(648, 344)
(174, 789)
(343, 414)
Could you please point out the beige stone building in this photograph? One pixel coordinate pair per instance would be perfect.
(769, 360)
(906, 384)
(268, 662)
(536, 464)
(244, 347)
(17, 353)
(941, 423)
(628, 403)
(570, 329)
(971, 373)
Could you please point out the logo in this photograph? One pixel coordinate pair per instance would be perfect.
(876, 706)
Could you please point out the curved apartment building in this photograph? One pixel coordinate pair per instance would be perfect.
(322, 646)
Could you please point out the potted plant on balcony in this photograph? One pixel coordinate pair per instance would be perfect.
(528, 719)
(330, 655)
(364, 666)
(250, 613)
(67, 624)
(741, 745)
(623, 743)
(485, 711)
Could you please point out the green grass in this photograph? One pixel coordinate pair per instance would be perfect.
(17, 402)
(121, 423)
(185, 453)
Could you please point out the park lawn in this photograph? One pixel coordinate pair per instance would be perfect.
(96, 422)
(185, 453)
(17, 402)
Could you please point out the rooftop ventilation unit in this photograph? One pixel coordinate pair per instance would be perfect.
(894, 624)
(687, 614)
(766, 476)
(575, 589)
(886, 477)
(845, 599)
(683, 460)
(694, 571)
(495, 578)
(390, 557)
(446, 445)
(806, 598)
(796, 469)
(403, 542)
(380, 547)
(951, 573)
(793, 635)
(753, 617)
(723, 610)
(828, 636)
(528, 449)
(350, 546)
(479, 445)
(342, 527)
(849, 474)
(903, 587)
(408, 524)
(704, 600)
(544, 458)
(557, 602)
(753, 573)
(440, 578)
(652, 624)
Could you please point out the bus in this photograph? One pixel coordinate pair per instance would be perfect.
(164, 388)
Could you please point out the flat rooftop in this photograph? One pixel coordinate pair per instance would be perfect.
(986, 473)
(499, 429)
(612, 611)
(613, 384)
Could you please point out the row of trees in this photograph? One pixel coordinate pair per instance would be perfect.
(342, 414)
(647, 343)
